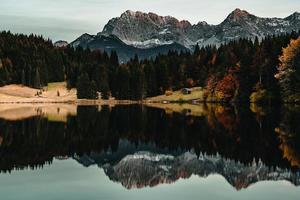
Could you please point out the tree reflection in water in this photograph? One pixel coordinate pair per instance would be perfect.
(238, 133)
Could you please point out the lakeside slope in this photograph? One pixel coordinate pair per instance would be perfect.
(54, 93)
(58, 93)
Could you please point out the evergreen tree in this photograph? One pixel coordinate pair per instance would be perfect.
(150, 80)
(137, 81)
(37, 80)
(23, 78)
(112, 72)
(162, 77)
(86, 89)
(102, 82)
(197, 49)
(123, 77)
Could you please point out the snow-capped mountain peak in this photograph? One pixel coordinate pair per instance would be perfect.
(145, 30)
(61, 43)
(150, 31)
(238, 15)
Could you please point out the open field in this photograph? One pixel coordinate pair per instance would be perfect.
(177, 96)
(58, 93)
(53, 93)
(53, 102)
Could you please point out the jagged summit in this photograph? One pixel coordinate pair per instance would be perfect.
(240, 12)
(238, 15)
(128, 13)
(139, 18)
(61, 43)
(149, 30)
(146, 30)
(153, 16)
(202, 23)
(294, 16)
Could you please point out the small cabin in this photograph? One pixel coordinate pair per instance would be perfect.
(186, 91)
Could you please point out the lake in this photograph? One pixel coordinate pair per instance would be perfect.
(172, 151)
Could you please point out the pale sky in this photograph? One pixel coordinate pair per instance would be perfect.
(68, 19)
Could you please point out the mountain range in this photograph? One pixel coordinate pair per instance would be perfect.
(147, 166)
(148, 34)
(125, 52)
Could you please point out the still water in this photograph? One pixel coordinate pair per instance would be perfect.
(137, 152)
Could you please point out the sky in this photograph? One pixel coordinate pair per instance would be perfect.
(68, 19)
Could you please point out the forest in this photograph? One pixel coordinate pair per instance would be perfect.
(261, 70)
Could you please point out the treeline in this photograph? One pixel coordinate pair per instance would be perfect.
(240, 71)
(29, 60)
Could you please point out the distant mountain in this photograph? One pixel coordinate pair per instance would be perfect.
(61, 43)
(147, 166)
(149, 30)
(125, 52)
(146, 30)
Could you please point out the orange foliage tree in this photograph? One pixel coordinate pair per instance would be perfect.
(226, 89)
(289, 71)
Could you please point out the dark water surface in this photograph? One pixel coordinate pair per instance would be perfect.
(135, 152)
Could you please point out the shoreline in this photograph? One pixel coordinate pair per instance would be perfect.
(76, 102)
(19, 94)
(57, 93)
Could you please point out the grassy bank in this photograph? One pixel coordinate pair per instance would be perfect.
(197, 93)
(58, 93)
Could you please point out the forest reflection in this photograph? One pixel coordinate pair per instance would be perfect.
(241, 133)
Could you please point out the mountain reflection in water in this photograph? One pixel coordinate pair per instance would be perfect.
(142, 146)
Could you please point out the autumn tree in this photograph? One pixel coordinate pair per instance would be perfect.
(227, 88)
(289, 72)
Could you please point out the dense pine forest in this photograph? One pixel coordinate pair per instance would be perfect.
(240, 71)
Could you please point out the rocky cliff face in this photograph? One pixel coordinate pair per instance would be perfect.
(148, 34)
(146, 30)
(61, 43)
